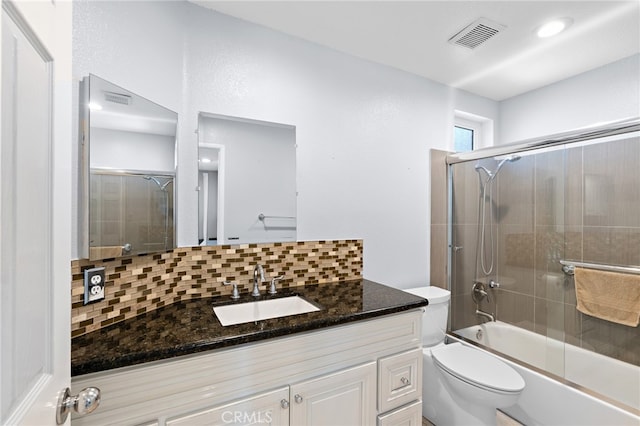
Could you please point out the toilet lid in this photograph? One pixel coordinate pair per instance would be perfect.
(477, 368)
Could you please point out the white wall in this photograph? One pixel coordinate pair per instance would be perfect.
(605, 94)
(363, 131)
(259, 178)
(118, 149)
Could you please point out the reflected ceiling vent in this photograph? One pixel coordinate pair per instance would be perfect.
(117, 98)
(477, 33)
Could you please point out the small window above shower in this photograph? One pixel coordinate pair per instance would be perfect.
(471, 132)
(463, 139)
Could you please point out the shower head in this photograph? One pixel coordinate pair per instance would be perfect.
(510, 158)
(491, 175)
(160, 185)
(484, 169)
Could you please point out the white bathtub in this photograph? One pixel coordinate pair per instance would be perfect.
(546, 401)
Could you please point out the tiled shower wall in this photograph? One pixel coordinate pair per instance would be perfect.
(579, 203)
(139, 284)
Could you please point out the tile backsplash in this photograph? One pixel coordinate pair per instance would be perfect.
(139, 284)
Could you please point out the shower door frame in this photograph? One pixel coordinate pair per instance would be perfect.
(616, 128)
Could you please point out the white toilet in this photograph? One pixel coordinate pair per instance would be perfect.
(461, 385)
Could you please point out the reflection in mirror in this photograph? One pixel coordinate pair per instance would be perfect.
(130, 151)
(247, 181)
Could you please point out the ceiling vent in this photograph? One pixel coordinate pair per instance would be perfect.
(476, 33)
(117, 98)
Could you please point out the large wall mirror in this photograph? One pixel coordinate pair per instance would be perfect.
(128, 169)
(246, 181)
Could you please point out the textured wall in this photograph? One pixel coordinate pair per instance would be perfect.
(135, 285)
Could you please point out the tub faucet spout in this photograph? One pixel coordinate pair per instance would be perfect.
(485, 314)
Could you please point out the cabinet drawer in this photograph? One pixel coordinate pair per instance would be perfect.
(407, 415)
(399, 379)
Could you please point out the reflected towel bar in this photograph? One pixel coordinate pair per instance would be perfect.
(568, 267)
(262, 217)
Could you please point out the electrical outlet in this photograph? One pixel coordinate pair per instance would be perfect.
(93, 285)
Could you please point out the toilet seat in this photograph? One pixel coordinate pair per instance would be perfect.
(477, 368)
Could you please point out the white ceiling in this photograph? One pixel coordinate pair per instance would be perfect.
(413, 36)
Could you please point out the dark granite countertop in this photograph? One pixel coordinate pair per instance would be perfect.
(191, 326)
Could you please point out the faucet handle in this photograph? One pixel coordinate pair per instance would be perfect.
(234, 294)
(272, 287)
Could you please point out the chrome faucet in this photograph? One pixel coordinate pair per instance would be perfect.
(491, 317)
(258, 278)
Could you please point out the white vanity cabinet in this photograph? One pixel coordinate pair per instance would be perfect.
(326, 376)
(269, 408)
(346, 397)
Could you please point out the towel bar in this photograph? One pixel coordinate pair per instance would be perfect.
(568, 267)
(262, 217)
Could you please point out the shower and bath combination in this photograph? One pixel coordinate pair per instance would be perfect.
(485, 256)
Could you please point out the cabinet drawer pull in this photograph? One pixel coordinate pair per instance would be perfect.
(405, 381)
(298, 398)
(284, 403)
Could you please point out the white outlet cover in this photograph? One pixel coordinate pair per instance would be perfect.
(93, 285)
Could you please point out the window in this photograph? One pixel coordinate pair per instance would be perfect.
(463, 139)
(471, 131)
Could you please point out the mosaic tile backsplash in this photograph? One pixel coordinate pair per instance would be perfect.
(140, 284)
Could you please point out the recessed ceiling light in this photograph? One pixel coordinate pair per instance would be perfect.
(205, 160)
(554, 27)
(94, 106)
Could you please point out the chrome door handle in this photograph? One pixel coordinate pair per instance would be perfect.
(284, 403)
(85, 402)
(298, 398)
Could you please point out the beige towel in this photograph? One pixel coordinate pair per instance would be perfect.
(612, 296)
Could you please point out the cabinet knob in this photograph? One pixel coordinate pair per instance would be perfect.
(284, 403)
(298, 398)
(405, 381)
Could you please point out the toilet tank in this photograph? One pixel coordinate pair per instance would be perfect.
(434, 320)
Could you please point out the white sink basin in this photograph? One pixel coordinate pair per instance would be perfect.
(263, 309)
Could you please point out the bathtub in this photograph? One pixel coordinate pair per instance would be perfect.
(549, 401)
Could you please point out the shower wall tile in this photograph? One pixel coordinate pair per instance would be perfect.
(463, 312)
(611, 245)
(611, 191)
(549, 318)
(573, 188)
(464, 258)
(438, 186)
(549, 189)
(515, 201)
(466, 194)
(516, 258)
(516, 308)
(438, 261)
(573, 243)
(439, 217)
(572, 325)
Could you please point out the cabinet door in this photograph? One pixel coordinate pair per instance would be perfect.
(270, 408)
(343, 398)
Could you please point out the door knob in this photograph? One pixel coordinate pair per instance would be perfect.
(284, 403)
(298, 399)
(85, 402)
